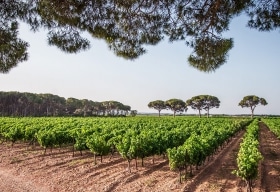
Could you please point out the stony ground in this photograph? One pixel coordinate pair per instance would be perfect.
(26, 169)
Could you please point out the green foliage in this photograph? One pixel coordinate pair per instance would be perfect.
(126, 148)
(158, 105)
(248, 159)
(98, 144)
(176, 105)
(273, 124)
(13, 50)
(133, 113)
(46, 138)
(251, 101)
(80, 136)
(202, 143)
(128, 26)
(14, 134)
(210, 53)
(249, 156)
(205, 102)
(264, 15)
(133, 138)
(18, 104)
(177, 157)
(70, 42)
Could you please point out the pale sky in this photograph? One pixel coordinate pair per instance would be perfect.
(163, 73)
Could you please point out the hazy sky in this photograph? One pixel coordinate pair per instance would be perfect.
(163, 73)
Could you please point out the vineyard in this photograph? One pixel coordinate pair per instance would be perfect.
(133, 154)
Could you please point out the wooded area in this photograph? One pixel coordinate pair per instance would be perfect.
(31, 104)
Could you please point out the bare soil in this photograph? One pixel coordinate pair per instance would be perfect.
(270, 166)
(26, 169)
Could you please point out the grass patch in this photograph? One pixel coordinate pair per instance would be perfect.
(77, 162)
(151, 182)
(214, 186)
(15, 160)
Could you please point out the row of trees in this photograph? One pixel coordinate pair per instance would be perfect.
(200, 102)
(203, 102)
(30, 104)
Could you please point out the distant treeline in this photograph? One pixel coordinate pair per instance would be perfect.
(19, 104)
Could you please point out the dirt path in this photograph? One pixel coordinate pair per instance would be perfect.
(8, 183)
(217, 175)
(270, 166)
(23, 169)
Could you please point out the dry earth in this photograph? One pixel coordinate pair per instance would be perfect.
(270, 166)
(26, 169)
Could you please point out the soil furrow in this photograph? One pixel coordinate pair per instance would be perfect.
(217, 176)
(27, 170)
